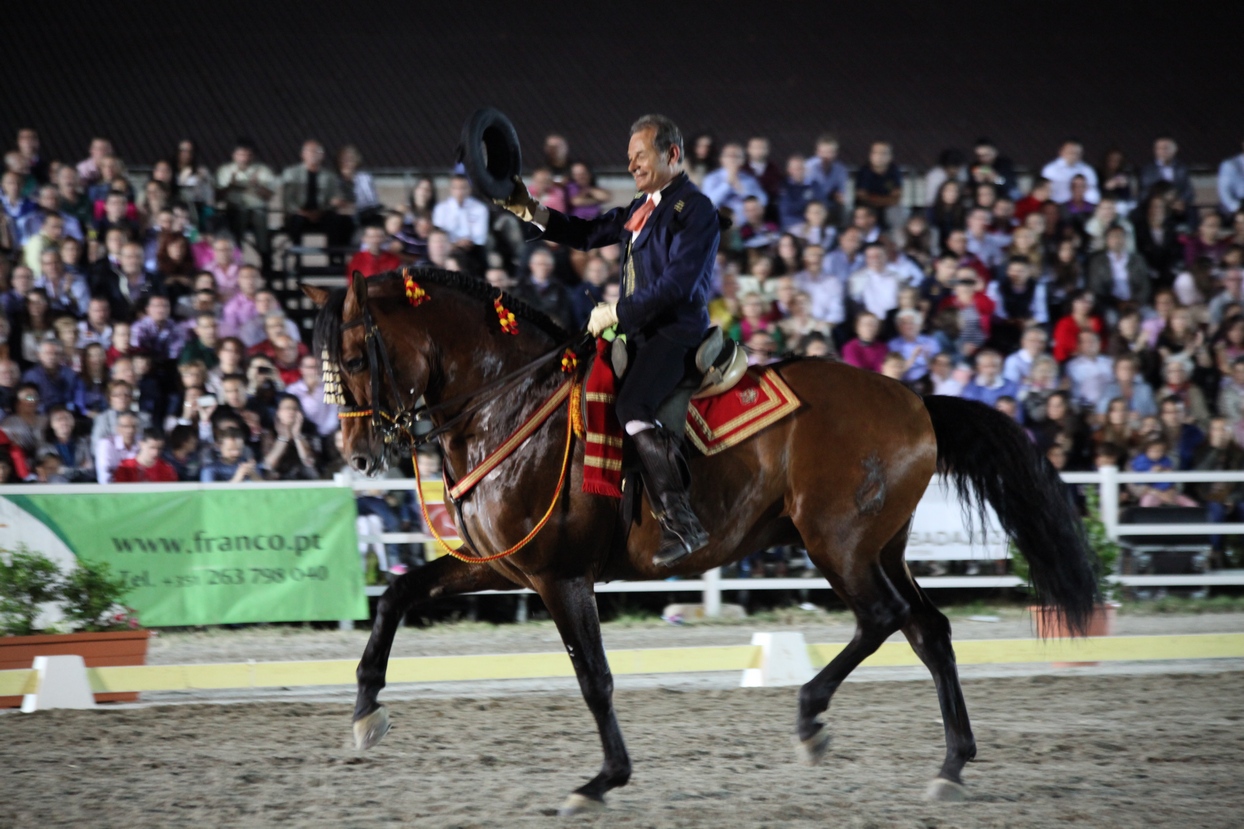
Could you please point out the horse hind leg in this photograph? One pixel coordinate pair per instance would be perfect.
(879, 611)
(928, 631)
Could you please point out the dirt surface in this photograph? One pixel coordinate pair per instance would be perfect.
(288, 643)
(1092, 751)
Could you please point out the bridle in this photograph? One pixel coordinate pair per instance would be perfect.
(397, 425)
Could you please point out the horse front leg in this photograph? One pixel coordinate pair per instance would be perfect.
(572, 604)
(446, 576)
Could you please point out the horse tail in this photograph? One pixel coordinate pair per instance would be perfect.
(990, 459)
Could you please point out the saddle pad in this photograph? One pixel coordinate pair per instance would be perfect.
(760, 399)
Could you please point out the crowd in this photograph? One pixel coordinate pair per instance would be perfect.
(1099, 306)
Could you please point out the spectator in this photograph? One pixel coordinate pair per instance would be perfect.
(67, 292)
(796, 193)
(1182, 436)
(311, 199)
(90, 395)
(224, 267)
(875, 286)
(1231, 184)
(1067, 330)
(13, 201)
(1207, 242)
(232, 355)
(24, 427)
(1232, 292)
(755, 231)
(988, 384)
(990, 167)
(951, 166)
(1163, 493)
(544, 292)
(77, 462)
(241, 308)
(1106, 216)
(586, 198)
(116, 211)
(372, 259)
(942, 375)
(120, 402)
(1080, 205)
(1130, 388)
(181, 452)
(125, 286)
(246, 187)
(1115, 179)
(54, 381)
(231, 466)
(1156, 238)
(1070, 163)
(731, 183)
(815, 228)
(1020, 301)
(310, 393)
(915, 349)
(763, 169)
(1090, 373)
(1166, 167)
(463, 217)
(1220, 453)
(110, 451)
(755, 316)
(259, 328)
(1176, 385)
(879, 184)
(801, 322)
(1032, 345)
(156, 333)
(557, 156)
(825, 170)
(848, 257)
(1035, 389)
(981, 241)
(358, 200)
(48, 203)
(290, 449)
(51, 234)
(206, 339)
(865, 351)
(973, 312)
(1116, 276)
(947, 212)
(146, 466)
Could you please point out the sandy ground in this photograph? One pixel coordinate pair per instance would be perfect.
(1093, 751)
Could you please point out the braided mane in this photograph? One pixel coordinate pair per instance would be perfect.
(327, 332)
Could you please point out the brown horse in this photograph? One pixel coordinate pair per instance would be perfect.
(842, 477)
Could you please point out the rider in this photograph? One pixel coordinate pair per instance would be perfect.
(671, 235)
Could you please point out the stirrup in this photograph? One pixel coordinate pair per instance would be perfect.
(675, 545)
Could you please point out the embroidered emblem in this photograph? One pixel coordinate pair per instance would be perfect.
(415, 295)
(679, 205)
(748, 396)
(509, 324)
(333, 394)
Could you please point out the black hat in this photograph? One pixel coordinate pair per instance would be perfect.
(490, 153)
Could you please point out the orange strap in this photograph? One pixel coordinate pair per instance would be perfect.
(526, 539)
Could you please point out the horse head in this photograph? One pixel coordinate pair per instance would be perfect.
(376, 382)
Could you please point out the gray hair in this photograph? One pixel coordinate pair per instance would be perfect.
(667, 133)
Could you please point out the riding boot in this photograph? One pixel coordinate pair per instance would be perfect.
(681, 532)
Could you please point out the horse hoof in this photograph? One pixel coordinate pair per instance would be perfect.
(371, 729)
(945, 791)
(813, 750)
(580, 804)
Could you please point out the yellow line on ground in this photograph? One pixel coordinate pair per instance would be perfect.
(638, 661)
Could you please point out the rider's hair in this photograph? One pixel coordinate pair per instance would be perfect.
(667, 133)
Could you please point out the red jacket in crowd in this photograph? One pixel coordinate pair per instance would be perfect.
(1067, 336)
(129, 472)
(369, 264)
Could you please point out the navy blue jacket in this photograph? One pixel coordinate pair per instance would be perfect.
(667, 271)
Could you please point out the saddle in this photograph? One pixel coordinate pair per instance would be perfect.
(719, 364)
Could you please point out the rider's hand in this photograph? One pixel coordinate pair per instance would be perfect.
(520, 202)
(604, 315)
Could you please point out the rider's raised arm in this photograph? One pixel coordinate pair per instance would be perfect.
(585, 234)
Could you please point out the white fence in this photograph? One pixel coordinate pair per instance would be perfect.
(938, 534)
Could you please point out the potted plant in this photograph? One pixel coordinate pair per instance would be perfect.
(96, 625)
(1105, 552)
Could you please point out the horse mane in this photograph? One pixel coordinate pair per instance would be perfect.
(327, 332)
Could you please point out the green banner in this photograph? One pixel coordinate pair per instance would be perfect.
(207, 555)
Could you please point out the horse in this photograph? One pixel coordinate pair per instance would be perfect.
(841, 477)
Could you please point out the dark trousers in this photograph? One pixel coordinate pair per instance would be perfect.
(336, 227)
(239, 220)
(656, 366)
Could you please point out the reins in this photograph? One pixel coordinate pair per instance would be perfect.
(391, 425)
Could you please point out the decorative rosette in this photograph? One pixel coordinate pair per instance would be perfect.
(415, 294)
(569, 362)
(509, 323)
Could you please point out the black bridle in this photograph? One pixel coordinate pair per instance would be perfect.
(398, 425)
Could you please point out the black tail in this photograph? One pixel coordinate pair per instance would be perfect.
(990, 459)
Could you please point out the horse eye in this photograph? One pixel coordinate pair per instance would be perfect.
(354, 366)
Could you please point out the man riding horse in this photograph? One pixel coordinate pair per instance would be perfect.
(670, 234)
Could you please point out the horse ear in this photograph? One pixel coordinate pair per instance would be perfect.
(359, 283)
(317, 295)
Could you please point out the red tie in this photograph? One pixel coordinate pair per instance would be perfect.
(640, 217)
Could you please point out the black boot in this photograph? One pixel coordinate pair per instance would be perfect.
(681, 532)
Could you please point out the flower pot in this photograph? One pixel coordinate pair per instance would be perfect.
(98, 650)
(1051, 624)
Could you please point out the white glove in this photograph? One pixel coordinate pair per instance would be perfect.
(604, 315)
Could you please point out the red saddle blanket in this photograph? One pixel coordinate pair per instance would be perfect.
(760, 399)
